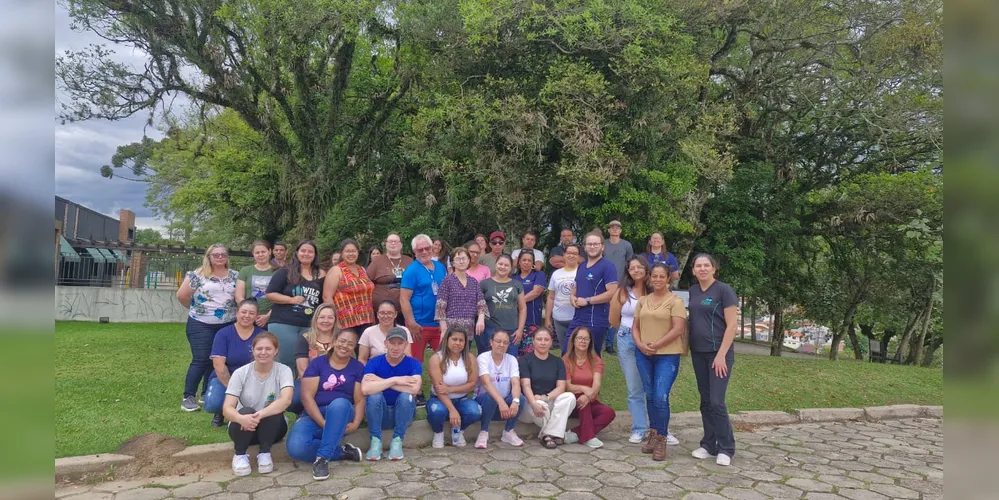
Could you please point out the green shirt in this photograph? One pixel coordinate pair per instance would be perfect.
(256, 285)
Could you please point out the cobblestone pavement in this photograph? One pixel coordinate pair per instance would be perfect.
(856, 460)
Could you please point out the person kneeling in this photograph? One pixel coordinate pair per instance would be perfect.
(585, 370)
(264, 384)
(542, 377)
(390, 384)
(334, 406)
(453, 372)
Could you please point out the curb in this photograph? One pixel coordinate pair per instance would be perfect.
(419, 434)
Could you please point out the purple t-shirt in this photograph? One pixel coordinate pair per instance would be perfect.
(236, 351)
(459, 302)
(668, 258)
(591, 281)
(535, 316)
(334, 384)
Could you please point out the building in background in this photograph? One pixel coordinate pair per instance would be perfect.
(79, 263)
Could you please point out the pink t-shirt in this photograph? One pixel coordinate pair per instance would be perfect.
(481, 273)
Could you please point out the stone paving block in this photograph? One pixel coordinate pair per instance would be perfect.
(493, 494)
(860, 494)
(328, 487)
(578, 484)
(501, 481)
(704, 496)
(455, 484)
(809, 485)
(116, 486)
(895, 491)
(408, 489)
(933, 411)
(197, 490)
(840, 481)
(877, 413)
(229, 496)
(376, 480)
(363, 494)
(92, 495)
(279, 493)
(779, 490)
(173, 481)
(143, 494)
(249, 484)
(537, 490)
(74, 489)
(830, 414)
(577, 495)
(742, 494)
(822, 496)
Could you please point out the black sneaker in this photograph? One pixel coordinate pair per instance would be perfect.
(421, 400)
(218, 420)
(350, 452)
(320, 469)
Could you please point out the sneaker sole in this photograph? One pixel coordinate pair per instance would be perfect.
(396, 459)
(265, 470)
(516, 445)
(242, 472)
(189, 409)
(318, 478)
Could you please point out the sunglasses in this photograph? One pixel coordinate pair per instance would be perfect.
(497, 242)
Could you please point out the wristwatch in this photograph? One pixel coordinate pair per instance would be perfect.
(587, 301)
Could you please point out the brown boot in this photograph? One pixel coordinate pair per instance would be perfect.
(650, 443)
(659, 449)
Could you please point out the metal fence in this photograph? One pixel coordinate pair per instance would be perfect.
(165, 271)
(108, 269)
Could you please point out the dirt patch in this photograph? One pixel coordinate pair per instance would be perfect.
(152, 454)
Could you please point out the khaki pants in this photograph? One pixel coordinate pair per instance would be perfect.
(556, 415)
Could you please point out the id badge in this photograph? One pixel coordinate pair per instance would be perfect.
(398, 273)
(433, 286)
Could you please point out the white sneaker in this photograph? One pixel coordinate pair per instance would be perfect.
(264, 463)
(701, 453)
(571, 437)
(511, 438)
(241, 465)
(636, 438)
(723, 459)
(594, 443)
(461, 440)
(482, 441)
(671, 440)
(438, 440)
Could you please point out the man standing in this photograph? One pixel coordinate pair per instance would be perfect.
(556, 258)
(529, 240)
(418, 298)
(596, 282)
(497, 240)
(619, 252)
(280, 252)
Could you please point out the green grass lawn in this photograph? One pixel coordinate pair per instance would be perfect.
(115, 381)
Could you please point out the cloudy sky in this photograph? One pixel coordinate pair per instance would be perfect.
(82, 148)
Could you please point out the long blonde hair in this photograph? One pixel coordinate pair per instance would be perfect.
(206, 262)
(312, 334)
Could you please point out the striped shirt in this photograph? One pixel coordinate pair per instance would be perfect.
(353, 298)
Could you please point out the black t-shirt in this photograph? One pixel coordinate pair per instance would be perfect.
(707, 315)
(295, 314)
(544, 373)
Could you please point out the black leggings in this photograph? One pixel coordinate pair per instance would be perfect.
(269, 431)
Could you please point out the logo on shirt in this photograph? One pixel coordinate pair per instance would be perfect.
(706, 302)
(502, 296)
(589, 276)
(333, 382)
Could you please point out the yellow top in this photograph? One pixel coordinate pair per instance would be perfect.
(655, 320)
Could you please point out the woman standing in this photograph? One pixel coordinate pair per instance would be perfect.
(386, 272)
(480, 239)
(533, 282)
(334, 406)
(622, 317)
(658, 333)
(460, 303)
(655, 252)
(372, 253)
(440, 252)
(584, 373)
(507, 310)
(498, 392)
(350, 290)
(372, 341)
(713, 320)
(255, 401)
(453, 374)
(231, 349)
(542, 378)
(252, 281)
(209, 293)
(478, 271)
(559, 309)
(296, 291)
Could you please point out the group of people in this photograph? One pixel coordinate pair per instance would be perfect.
(355, 339)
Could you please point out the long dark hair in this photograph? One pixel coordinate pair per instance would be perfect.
(466, 353)
(521, 256)
(629, 282)
(591, 353)
(295, 267)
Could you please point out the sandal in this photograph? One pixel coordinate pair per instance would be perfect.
(548, 442)
(558, 441)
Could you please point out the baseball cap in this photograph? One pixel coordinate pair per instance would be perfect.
(396, 333)
(497, 235)
(614, 223)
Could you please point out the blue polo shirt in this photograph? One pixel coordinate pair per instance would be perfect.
(380, 367)
(591, 281)
(424, 285)
(236, 351)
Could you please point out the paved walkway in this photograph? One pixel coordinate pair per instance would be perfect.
(856, 460)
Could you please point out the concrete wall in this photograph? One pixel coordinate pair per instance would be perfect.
(121, 305)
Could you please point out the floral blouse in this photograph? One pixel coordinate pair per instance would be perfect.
(214, 299)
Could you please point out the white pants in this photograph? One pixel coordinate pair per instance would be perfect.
(556, 415)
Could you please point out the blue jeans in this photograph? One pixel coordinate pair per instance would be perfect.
(381, 415)
(296, 399)
(597, 335)
(626, 352)
(200, 336)
(658, 372)
(490, 411)
(611, 339)
(487, 337)
(287, 336)
(214, 396)
(308, 440)
(437, 413)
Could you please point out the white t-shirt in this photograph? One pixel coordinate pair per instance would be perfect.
(628, 310)
(255, 392)
(455, 375)
(501, 375)
(561, 284)
(375, 340)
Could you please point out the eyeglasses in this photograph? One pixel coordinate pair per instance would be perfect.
(593, 244)
(220, 255)
(421, 249)
(387, 313)
(501, 342)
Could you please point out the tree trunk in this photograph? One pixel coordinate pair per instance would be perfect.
(903, 343)
(841, 331)
(852, 332)
(868, 331)
(776, 331)
(916, 349)
(742, 319)
(931, 351)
